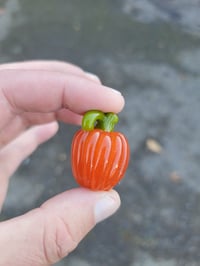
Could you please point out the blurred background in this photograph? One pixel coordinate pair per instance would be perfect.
(150, 51)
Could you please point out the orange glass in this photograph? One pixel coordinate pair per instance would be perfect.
(99, 158)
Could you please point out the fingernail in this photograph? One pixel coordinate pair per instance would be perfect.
(116, 91)
(105, 207)
(92, 76)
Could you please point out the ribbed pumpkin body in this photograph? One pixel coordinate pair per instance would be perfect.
(99, 158)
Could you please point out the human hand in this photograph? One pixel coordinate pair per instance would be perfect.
(33, 97)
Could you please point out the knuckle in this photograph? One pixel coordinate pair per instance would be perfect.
(58, 240)
(64, 239)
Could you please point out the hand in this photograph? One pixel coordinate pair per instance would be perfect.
(33, 97)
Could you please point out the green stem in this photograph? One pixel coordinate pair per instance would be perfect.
(97, 119)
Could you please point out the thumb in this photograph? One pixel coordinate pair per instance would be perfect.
(45, 235)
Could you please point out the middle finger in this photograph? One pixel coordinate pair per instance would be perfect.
(21, 123)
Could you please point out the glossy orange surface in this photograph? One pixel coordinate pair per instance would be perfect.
(99, 158)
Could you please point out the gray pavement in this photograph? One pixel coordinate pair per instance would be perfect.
(150, 50)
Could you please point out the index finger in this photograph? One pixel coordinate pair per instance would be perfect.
(48, 91)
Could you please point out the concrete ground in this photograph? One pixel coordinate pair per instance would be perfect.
(150, 50)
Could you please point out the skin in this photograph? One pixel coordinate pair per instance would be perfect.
(34, 96)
